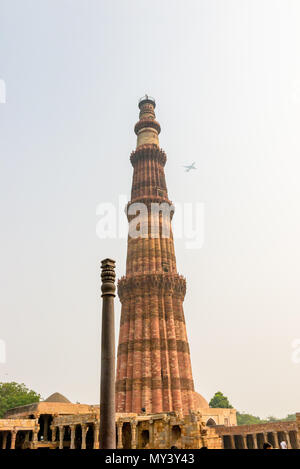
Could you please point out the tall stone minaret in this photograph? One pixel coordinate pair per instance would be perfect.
(154, 367)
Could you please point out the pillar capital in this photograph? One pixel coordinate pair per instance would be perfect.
(108, 277)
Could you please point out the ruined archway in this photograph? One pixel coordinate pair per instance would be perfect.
(210, 423)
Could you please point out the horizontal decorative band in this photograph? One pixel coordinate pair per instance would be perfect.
(147, 123)
(163, 283)
(147, 152)
(131, 384)
(147, 345)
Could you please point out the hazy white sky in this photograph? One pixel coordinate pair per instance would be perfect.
(226, 78)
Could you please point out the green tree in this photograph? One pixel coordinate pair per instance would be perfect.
(290, 418)
(220, 401)
(14, 395)
(248, 419)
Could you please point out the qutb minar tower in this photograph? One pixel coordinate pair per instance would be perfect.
(154, 367)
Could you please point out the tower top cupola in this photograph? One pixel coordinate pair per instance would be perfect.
(147, 128)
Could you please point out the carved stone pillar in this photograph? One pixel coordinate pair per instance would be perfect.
(120, 435)
(13, 439)
(4, 441)
(286, 438)
(277, 439)
(46, 426)
(72, 443)
(35, 435)
(151, 433)
(37, 417)
(83, 438)
(53, 435)
(61, 436)
(244, 440)
(274, 439)
(96, 435)
(254, 438)
(297, 440)
(133, 434)
(232, 442)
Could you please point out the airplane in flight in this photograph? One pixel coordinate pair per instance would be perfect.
(189, 167)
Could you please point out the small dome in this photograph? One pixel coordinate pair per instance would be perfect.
(57, 397)
(200, 401)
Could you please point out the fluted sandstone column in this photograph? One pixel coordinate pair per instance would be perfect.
(154, 367)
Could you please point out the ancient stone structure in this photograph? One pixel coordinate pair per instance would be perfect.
(254, 436)
(154, 367)
(156, 403)
(63, 425)
(30, 426)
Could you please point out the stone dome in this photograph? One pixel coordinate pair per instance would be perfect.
(200, 401)
(57, 397)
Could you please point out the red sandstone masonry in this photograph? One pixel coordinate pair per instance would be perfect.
(154, 368)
